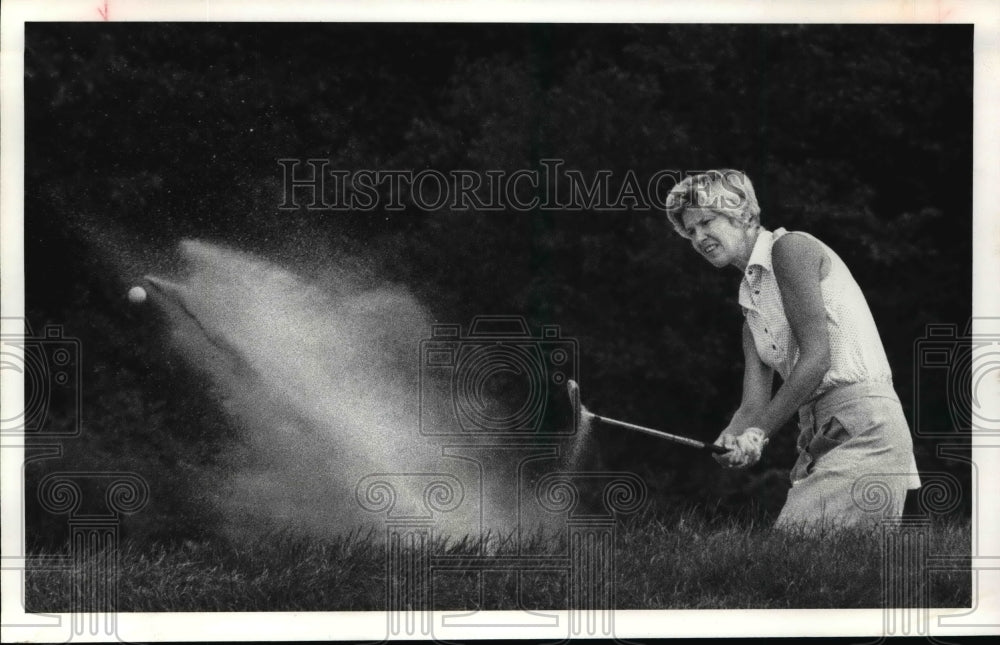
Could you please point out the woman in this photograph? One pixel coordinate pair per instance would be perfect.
(804, 316)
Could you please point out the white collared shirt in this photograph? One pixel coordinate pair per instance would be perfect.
(856, 352)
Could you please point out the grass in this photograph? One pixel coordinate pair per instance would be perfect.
(683, 563)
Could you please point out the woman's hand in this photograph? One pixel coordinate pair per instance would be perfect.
(745, 448)
(731, 459)
(750, 444)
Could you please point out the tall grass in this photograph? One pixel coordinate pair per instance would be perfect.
(696, 564)
(685, 562)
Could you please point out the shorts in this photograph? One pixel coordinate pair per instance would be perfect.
(855, 460)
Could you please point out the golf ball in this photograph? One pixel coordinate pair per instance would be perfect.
(136, 295)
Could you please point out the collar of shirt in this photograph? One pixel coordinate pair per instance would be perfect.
(760, 261)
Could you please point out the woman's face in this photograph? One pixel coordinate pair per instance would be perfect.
(718, 238)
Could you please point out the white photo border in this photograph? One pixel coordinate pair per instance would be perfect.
(984, 618)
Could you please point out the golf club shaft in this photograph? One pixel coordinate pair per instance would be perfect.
(694, 443)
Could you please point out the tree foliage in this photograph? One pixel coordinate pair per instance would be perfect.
(858, 134)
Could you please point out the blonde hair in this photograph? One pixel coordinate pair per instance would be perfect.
(725, 191)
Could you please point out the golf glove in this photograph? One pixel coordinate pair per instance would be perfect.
(734, 457)
(749, 446)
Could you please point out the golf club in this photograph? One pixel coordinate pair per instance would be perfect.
(579, 411)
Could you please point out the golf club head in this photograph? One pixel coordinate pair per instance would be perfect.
(573, 389)
(578, 447)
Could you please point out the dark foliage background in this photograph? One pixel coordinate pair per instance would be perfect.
(858, 134)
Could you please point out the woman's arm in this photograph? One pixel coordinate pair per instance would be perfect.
(798, 264)
(757, 381)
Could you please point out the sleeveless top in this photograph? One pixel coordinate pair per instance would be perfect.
(856, 352)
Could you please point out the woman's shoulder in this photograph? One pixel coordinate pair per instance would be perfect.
(795, 251)
(790, 245)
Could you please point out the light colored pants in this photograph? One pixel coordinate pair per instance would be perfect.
(855, 459)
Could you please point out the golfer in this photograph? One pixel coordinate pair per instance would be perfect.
(806, 318)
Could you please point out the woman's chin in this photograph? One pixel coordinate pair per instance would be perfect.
(716, 261)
